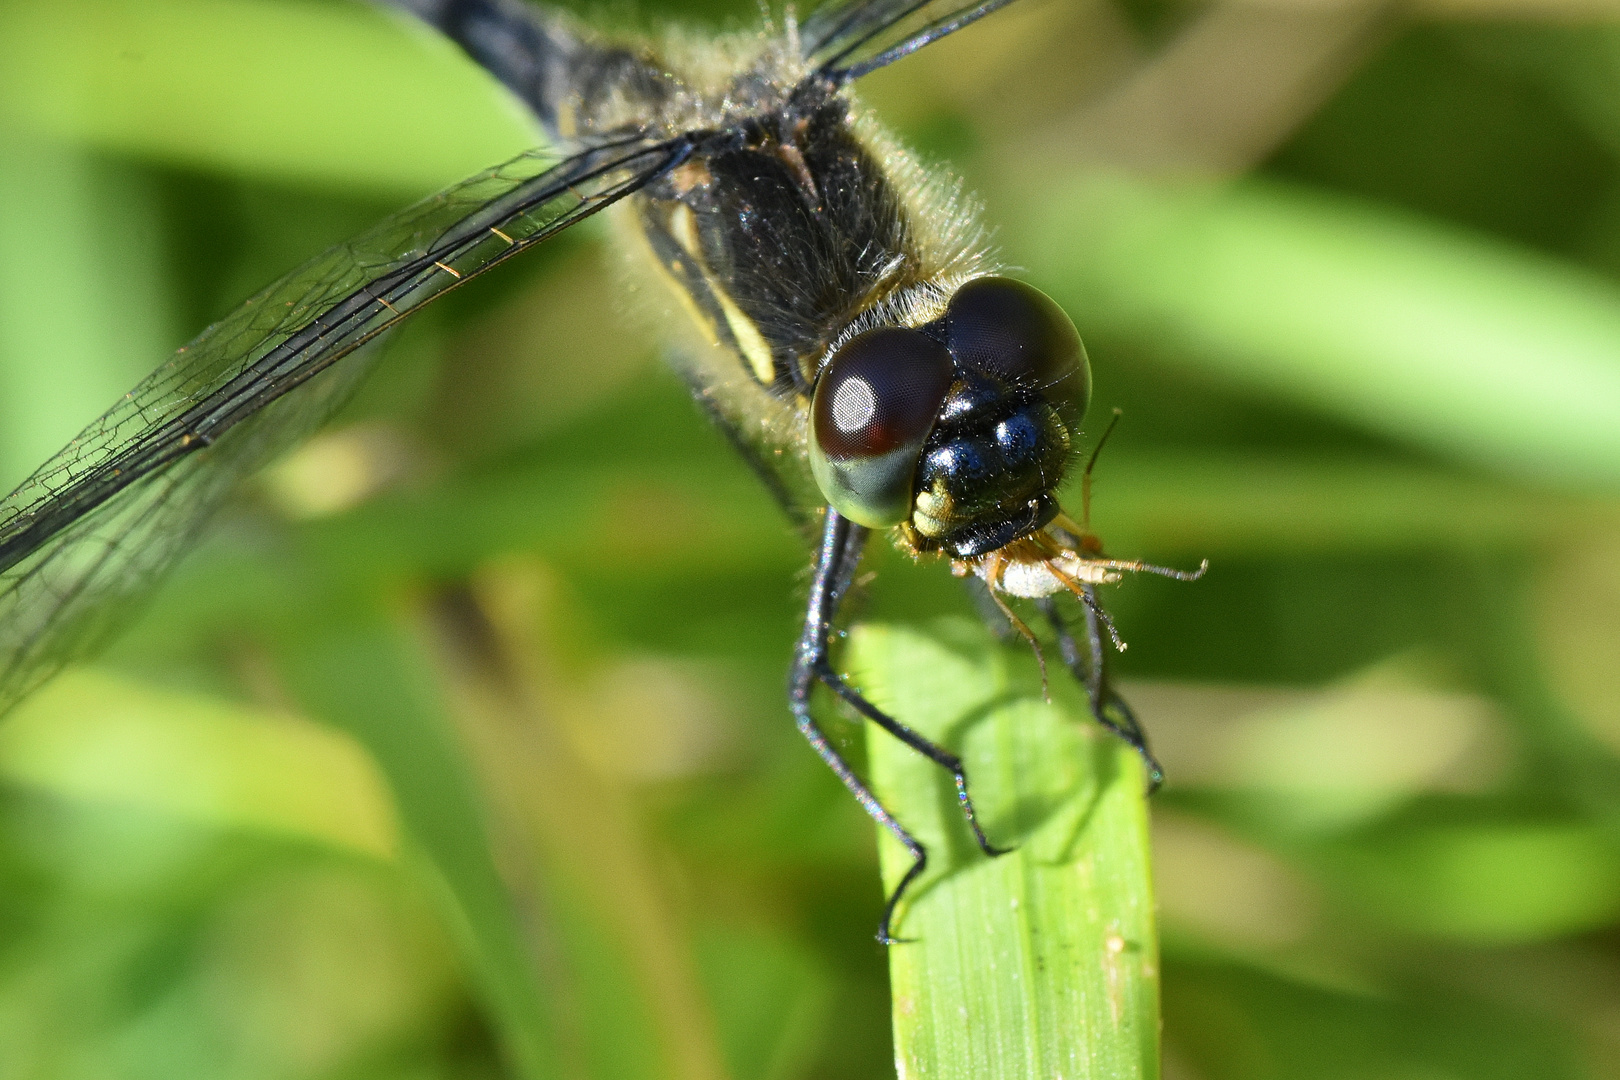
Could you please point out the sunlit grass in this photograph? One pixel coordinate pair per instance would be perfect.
(1044, 961)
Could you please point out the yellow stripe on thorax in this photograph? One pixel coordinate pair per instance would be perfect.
(755, 349)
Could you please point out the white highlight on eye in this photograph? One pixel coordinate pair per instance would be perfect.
(853, 405)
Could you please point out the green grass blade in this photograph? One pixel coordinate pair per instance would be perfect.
(1042, 963)
(95, 737)
(348, 96)
(1482, 350)
(86, 311)
(373, 680)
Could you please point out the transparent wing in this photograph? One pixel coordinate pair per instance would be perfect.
(845, 39)
(94, 525)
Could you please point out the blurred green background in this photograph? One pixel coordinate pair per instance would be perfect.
(1352, 271)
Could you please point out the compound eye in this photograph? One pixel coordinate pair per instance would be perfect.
(1018, 334)
(875, 402)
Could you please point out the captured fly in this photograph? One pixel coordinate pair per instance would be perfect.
(851, 333)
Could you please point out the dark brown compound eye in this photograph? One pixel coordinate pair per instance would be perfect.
(875, 403)
(1018, 334)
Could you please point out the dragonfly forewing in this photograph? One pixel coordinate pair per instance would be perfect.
(92, 527)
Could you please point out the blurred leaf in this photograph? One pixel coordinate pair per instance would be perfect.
(1451, 341)
(309, 973)
(1579, 63)
(1212, 886)
(84, 302)
(371, 679)
(1482, 881)
(1234, 1022)
(1432, 125)
(341, 94)
(508, 650)
(770, 1002)
(1043, 962)
(1324, 761)
(90, 735)
(1217, 501)
(1576, 617)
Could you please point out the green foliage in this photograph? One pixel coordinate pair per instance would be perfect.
(1044, 961)
(1272, 286)
(458, 748)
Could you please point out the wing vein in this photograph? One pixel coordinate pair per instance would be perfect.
(84, 537)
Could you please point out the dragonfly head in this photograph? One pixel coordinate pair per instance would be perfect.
(960, 430)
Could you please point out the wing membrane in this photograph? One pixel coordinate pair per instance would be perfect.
(99, 521)
(845, 39)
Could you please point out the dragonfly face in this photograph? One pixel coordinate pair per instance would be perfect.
(957, 431)
(848, 330)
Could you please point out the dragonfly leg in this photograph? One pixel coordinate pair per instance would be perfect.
(930, 750)
(990, 613)
(1107, 705)
(842, 541)
(799, 696)
(841, 545)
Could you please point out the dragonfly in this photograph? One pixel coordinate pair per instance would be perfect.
(850, 331)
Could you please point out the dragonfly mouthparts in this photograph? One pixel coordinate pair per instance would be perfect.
(1038, 565)
(1059, 557)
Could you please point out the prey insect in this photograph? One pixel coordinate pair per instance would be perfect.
(849, 330)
